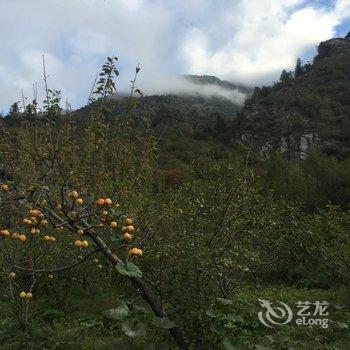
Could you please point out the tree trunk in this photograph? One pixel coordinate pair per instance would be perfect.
(175, 332)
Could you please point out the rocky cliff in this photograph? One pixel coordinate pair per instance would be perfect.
(307, 110)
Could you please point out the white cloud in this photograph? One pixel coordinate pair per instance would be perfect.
(266, 36)
(76, 37)
(245, 41)
(342, 9)
(175, 84)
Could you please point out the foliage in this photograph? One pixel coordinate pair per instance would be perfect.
(303, 112)
(120, 239)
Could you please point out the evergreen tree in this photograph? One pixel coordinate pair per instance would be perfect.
(14, 110)
(220, 125)
(307, 67)
(299, 69)
(264, 91)
(286, 77)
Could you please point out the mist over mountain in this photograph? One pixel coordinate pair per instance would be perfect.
(307, 110)
(204, 94)
(205, 86)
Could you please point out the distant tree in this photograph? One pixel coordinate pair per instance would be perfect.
(307, 67)
(347, 36)
(220, 125)
(299, 69)
(264, 91)
(286, 77)
(30, 111)
(256, 91)
(14, 110)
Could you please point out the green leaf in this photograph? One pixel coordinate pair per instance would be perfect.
(228, 345)
(113, 211)
(129, 269)
(163, 322)
(134, 329)
(116, 238)
(141, 309)
(234, 318)
(117, 313)
(343, 325)
(217, 329)
(225, 301)
(260, 347)
(214, 313)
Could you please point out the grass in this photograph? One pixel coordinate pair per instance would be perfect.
(84, 327)
(292, 336)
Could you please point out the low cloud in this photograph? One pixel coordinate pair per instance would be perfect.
(179, 85)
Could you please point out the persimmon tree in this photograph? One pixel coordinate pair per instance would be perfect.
(64, 201)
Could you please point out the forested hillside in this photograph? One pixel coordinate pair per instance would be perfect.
(306, 110)
(166, 222)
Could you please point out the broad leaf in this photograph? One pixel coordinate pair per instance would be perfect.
(214, 313)
(217, 329)
(128, 269)
(225, 301)
(163, 322)
(117, 313)
(142, 309)
(134, 329)
(228, 345)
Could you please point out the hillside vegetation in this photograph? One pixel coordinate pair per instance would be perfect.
(307, 110)
(146, 223)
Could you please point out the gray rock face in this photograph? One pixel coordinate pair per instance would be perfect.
(308, 143)
(334, 47)
(293, 146)
(312, 114)
(284, 145)
(266, 149)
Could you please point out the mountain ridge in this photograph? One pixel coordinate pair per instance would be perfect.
(213, 80)
(307, 110)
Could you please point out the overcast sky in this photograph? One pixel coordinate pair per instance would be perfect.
(245, 41)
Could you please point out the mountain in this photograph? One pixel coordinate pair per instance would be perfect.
(204, 93)
(307, 110)
(187, 125)
(212, 80)
(203, 105)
